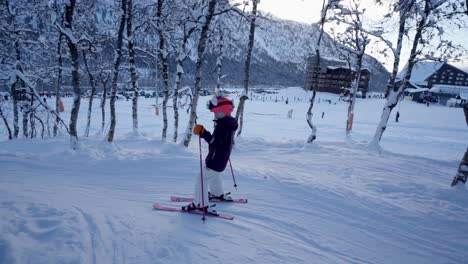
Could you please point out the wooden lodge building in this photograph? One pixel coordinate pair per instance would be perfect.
(335, 76)
(440, 82)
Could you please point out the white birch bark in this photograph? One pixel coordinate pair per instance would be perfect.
(316, 69)
(15, 82)
(133, 72)
(104, 79)
(178, 80)
(244, 97)
(397, 52)
(163, 66)
(396, 92)
(58, 88)
(181, 56)
(73, 47)
(14, 94)
(352, 102)
(5, 121)
(115, 76)
(92, 82)
(200, 51)
(219, 60)
(462, 173)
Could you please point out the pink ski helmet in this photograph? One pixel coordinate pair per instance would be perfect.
(219, 104)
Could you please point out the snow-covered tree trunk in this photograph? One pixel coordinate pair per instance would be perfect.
(219, 61)
(244, 97)
(58, 88)
(178, 82)
(133, 72)
(5, 121)
(163, 66)
(397, 53)
(14, 82)
(200, 50)
(181, 56)
(396, 92)
(92, 82)
(316, 71)
(31, 118)
(14, 93)
(115, 76)
(73, 47)
(25, 121)
(313, 135)
(357, 80)
(462, 173)
(104, 79)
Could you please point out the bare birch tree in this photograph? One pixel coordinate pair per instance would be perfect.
(58, 86)
(462, 173)
(404, 9)
(5, 121)
(163, 63)
(248, 58)
(72, 43)
(104, 78)
(13, 33)
(92, 83)
(354, 40)
(116, 68)
(430, 16)
(185, 29)
(206, 21)
(219, 59)
(326, 5)
(133, 72)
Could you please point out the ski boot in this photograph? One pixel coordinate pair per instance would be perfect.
(207, 209)
(223, 197)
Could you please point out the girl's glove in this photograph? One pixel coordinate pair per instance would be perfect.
(198, 130)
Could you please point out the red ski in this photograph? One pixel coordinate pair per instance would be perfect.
(214, 200)
(178, 209)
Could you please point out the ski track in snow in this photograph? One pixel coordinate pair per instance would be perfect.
(334, 201)
(314, 212)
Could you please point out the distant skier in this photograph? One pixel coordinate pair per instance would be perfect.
(397, 116)
(220, 145)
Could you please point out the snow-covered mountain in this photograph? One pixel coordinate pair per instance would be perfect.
(280, 51)
(280, 54)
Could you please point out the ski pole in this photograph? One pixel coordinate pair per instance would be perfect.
(232, 172)
(201, 178)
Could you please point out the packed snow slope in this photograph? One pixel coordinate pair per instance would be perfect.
(333, 201)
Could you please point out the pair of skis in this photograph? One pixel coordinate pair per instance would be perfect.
(197, 212)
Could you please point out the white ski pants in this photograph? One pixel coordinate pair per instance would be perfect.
(211, 179)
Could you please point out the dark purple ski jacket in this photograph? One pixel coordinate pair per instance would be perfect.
(220, 143)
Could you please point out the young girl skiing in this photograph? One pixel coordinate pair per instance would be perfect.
(220, 145)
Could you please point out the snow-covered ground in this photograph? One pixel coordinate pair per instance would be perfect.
(333, 201)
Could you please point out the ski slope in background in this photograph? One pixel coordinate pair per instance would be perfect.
(333, 201)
